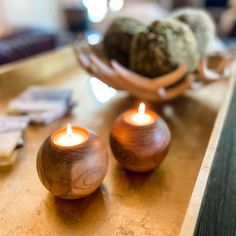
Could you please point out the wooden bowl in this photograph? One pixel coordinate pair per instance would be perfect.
(139, 148)
(72, 172)
(160, 89)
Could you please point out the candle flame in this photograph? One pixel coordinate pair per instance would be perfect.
(69, 130)
(141, 109)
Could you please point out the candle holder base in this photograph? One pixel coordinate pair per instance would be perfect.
(72, 172)
(139, 148)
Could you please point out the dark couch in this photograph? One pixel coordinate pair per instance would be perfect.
(23, 43)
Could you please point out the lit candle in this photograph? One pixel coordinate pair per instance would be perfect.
(72, 162)
(140, 139)
(70, 137)
(140, 118)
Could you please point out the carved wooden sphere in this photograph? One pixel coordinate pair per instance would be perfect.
(139, 148)
(72, 172)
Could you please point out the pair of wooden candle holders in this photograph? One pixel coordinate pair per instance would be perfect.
(77, 171)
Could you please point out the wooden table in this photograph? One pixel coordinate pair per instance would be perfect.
(218, 210)
(156, 203)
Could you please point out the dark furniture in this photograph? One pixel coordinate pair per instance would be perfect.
(22, 43)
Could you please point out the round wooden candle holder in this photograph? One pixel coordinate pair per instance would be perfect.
(72, 172)
(139, 148)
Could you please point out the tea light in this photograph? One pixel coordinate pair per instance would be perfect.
(72, 162)
(140, 139)
(141, 117)
(70, 138)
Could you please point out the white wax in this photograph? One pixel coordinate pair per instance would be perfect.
(141, 119)
(70, 137)
(69, 140)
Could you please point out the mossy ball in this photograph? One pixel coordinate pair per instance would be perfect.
(118, 37)
(162, 47)
(201, 24)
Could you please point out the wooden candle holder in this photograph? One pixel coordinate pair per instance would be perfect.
(72, 172)
(139, 148)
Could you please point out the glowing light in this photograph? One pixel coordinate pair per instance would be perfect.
(141, 109)
(94, 38)
(69, 130)
(97, 10)
(101, 91)
(116, 5)
(141, 117)
(70, 137)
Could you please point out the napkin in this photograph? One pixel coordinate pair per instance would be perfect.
(11, 137)
(42, 105)
(8, 144)
(13, 123)
(41, 93)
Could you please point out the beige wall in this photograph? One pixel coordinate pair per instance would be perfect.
(35, 13)
(2, 16)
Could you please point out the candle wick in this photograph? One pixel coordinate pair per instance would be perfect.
(69, 130)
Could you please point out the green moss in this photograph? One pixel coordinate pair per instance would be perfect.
(161, 47)
(201, 24)
(118, 37)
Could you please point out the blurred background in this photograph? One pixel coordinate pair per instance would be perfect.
(29, 27)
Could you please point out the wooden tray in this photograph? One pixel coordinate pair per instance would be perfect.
(163, 202)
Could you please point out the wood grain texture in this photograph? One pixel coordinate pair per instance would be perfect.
(127, 203)
(139, 148)
(72, 172)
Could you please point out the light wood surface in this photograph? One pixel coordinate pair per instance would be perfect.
(127, 203)
(14, 76)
